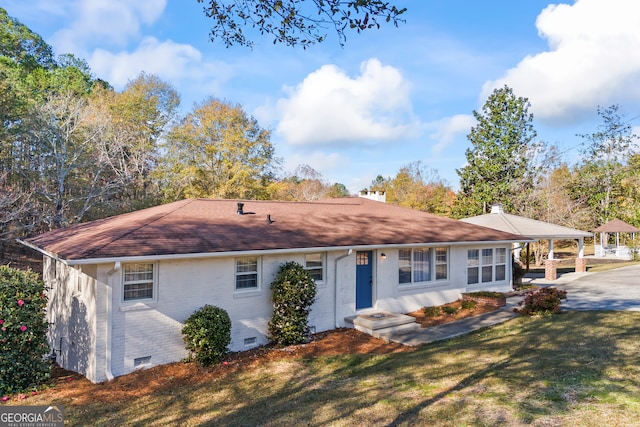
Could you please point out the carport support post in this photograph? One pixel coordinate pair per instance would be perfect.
(550, 265)
(581, 261)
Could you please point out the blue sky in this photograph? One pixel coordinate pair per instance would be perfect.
(388, 97)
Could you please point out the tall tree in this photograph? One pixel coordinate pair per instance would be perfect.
(138, 118)
(22, 45)
(499, 162)
(295, 22)
(603, 168)
(217, 151)
(416, 187)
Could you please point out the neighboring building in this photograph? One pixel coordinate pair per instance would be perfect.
(120, 288)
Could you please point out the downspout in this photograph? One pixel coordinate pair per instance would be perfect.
(335, 286)
(110, 273)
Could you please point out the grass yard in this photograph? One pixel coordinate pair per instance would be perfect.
(576, 368)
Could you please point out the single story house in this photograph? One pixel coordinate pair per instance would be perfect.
(120, 288)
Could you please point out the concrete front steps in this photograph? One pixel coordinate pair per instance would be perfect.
(383, 324)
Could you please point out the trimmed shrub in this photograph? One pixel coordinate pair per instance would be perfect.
(207, 334)
(543, 301)
(293, 291)
(431, 311)
(447, 309)
(468, 304)
(23, 331)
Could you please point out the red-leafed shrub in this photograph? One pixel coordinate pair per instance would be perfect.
(543, 301)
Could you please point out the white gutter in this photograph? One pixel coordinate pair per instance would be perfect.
(110, 273)
(335, 286)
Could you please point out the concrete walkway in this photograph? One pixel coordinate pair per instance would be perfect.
(454, 329)
(617, 289)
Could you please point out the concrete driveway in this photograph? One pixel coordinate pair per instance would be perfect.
(617, 289)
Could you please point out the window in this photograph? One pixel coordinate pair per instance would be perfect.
(314, 264)
(246, 273)
(138, 282)
(415, 265)
(486, 265)
(441, 264)
(473, 264)
(404, 266)
(501, 263)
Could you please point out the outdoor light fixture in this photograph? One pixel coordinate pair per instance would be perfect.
(383, 256)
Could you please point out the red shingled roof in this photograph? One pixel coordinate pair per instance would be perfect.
(203, 226)
(616, 226)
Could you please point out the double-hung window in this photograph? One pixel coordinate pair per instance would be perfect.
(246, 273)
(138, 281)
(314, 264)
(419, 265)
(486, 265)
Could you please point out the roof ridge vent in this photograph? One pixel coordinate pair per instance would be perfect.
(240, 210)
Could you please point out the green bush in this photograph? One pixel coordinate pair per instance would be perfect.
(468, 304)
(447, 309)
(543, 301)
(431, 311)
(207, 334)
(293, 292)
(23, 331)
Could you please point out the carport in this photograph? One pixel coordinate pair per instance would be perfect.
(535, 230)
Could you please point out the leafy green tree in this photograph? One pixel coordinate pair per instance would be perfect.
(295, 22)
(20, 44)
(217, 151)
(338, 190)
(416, 187)
(604, 165)
(499, 166)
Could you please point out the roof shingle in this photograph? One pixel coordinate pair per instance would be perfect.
(205, 226)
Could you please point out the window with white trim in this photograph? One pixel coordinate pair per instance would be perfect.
(314, 264)
(501, 264)
(419, 265)
(246, 273)
(138, 281)
(486, 265)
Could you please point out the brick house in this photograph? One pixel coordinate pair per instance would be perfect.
(120, 287)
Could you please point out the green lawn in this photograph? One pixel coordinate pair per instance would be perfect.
(576, 368)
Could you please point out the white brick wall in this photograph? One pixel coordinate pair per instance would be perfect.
(153, 329)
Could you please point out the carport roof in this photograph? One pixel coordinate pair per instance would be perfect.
(498, 220)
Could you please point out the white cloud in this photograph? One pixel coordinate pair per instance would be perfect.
(444, 131)
(329, 106)
(105, 22)
(169, 60)
(591, 60)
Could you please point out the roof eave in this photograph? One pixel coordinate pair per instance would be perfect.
(139, 258)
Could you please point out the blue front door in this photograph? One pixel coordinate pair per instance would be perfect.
(364, 279)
